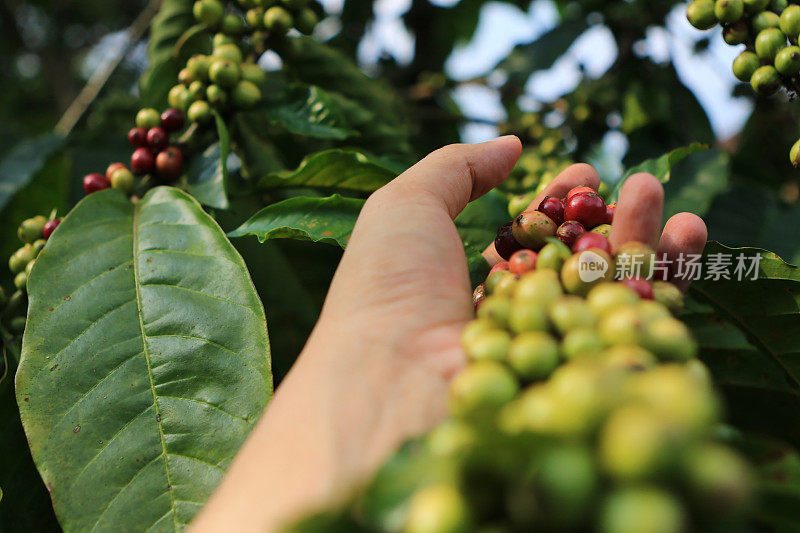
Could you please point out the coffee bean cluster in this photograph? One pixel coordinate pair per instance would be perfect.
(769, 31)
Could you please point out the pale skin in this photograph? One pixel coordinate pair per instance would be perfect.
(376, 368)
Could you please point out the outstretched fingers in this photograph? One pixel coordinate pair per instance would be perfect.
(639, 212)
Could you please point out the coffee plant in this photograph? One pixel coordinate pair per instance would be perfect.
(153, 236)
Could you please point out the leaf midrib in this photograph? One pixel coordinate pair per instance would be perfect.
(146, 351)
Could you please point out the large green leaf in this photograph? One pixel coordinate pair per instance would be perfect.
(145, 361)
(749, 335)
(696, 182)
(24, 161)
(660, 167)
(477, 224)
(333, 169)
(310, 111)
(329, 220)
(208, 175)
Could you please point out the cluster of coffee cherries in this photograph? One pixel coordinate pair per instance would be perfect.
(581, 219)
(583, 407)
(229, 78)
(769, 29)
(155, 154)
(33, 233)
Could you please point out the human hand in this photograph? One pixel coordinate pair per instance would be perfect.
(376, 369)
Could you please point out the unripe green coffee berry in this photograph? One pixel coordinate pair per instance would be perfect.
(765, 80)
(505, 286)
(482, 385)
(437, 509)
(790, 22)
(567, 480)
(217, 96)
(473, 329)
(253, 73)
(642, 509)
(778, 6)
(532, 228)
(541, 287)
(185, 77)
(520, 203)
(787, 62)
(745, 65)
(628, 357)
(277, 20)
(21, 280)
(224, 73)
(701, 14)
(752, 7)
(245, 95)
(496, 309)
(122, 179)
(198, 66)
(176, 96)
(769, 42)
(635, 444)
(720, 480)
(669, 338)
(606, 297)
(196, 91)
(571, 312)
(794, 154)
(450, 438)
(148, 118)
(31, 229)
(494, 279)
(764, 21)
(586, 270)
(200, 112)
(533, 355)
(18, 325)
(20, 259)
(38, 246)
(736, 33)
(729, 10)
(528, 315)
(222, 39)
(491, 345)
(622, 326)
(255, 18)
(603, 229)
(668, 295)
(553, 256)
(582, 342)
(208, 12)
(231, 52)
(232, 24)
(305, 21)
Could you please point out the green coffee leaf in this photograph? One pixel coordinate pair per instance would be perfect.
(329, 220)
(145, 362)
(310, 111)
(749, 333)
(24, 161)
(333, 169)
(660, 167)
(699, 180)
(208, 174)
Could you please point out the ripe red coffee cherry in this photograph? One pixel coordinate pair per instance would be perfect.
(587, 208)
(95, 182)
(522, 261)
(505, 243)
(592, 240)
(113, 167)
(579, 190)
(142, 161)
(569, 232)
(172, 120)
(50, 227)
(157, 138)
(641, 286)
(610, 210)
(553, 208)
(169, 164)
(138, 137)
(498, 267)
